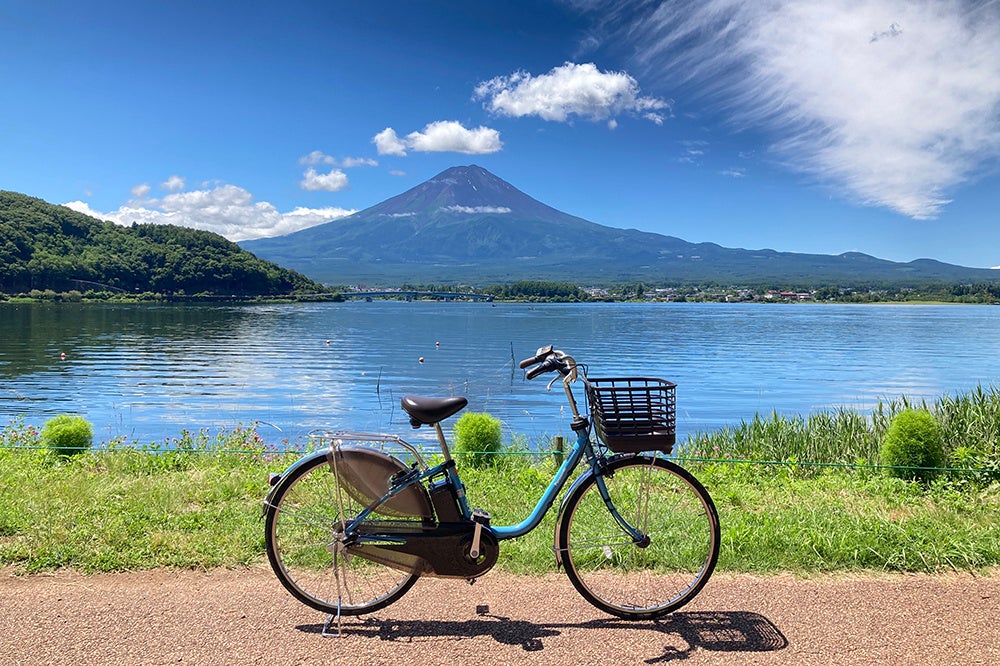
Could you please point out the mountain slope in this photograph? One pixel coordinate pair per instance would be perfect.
(44, 246)
(466, 224)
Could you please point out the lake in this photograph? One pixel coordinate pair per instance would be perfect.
(146, 372)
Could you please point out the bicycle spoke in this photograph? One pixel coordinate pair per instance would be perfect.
(661, 573)
(304, 547)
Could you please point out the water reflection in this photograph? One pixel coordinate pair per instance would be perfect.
(147, 371)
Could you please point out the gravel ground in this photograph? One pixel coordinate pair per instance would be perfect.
(246, 617)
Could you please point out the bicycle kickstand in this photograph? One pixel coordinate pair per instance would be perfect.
(326, 633)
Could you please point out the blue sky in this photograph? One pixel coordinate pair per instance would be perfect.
(795, 125)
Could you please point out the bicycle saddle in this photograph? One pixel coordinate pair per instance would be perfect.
(428, 411)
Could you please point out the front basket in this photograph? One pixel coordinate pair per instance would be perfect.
(633, 414)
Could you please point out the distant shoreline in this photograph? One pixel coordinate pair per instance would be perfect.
(339, 298)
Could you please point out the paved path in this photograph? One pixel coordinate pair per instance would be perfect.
(245, 617)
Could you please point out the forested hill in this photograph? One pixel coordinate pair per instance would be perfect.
(43, 246)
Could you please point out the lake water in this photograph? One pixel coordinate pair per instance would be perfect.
(146, 372)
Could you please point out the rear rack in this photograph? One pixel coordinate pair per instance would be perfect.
(392, 444)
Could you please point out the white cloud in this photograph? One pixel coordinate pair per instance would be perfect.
(141, 190)
(892, 102)
(303, 218)
(443, 136)
(449, 136)
(84, 207)
(477, 209)
(227, 210)
(570, 90)
(387, 143)
(351, 162)
(173, 184)
(333, 181)
(318, 157)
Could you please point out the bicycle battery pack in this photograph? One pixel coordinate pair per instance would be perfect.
(445, 502)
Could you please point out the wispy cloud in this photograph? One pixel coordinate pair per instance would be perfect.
(892, 102)
(173, 184)
(227, 210)
(478, 209)
(579, 90)
(443, 136)
(692, 152)
(318, 157)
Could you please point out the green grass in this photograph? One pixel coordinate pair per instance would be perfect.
(818, 505)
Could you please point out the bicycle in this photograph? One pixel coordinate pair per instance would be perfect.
(350, 527)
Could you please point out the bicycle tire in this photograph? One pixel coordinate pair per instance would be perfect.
(639, 581)
(302, 518)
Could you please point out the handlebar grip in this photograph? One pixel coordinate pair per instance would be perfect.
(539, 369)
(537, 358)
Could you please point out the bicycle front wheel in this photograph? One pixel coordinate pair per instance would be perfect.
(662, 571)
(303, 521)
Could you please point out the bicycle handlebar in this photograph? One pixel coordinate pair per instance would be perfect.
(547, 360)
(548, 365)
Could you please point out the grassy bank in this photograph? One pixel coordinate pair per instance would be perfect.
(825, 508)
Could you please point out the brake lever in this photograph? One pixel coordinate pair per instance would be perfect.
(569, 376)
(572, 375)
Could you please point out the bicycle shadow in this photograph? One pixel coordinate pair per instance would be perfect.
(716, 631)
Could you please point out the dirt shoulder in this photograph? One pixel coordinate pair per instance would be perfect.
(246, 617)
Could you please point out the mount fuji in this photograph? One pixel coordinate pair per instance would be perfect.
(466, 225)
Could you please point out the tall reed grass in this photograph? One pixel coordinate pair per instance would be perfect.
(969, 421)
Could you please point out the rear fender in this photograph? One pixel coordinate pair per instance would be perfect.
(366, 476)
(275, 484)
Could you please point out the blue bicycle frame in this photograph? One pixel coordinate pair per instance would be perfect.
(583, 448)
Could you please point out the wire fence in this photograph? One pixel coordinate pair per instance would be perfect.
(277, 453)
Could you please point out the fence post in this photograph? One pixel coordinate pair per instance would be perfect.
(559, 446)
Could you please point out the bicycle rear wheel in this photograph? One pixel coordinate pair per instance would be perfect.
(662, 572)
(303, 520)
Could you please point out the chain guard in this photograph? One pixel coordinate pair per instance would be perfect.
(439, 552)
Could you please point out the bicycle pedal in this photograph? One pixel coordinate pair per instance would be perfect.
(481, 516)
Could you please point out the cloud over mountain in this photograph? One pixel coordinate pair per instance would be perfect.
(443, 136)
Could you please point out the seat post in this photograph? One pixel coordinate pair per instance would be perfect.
(442, 442)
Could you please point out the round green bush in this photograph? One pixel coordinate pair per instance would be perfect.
(477, 438)
(913, 439)
(67, 434)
